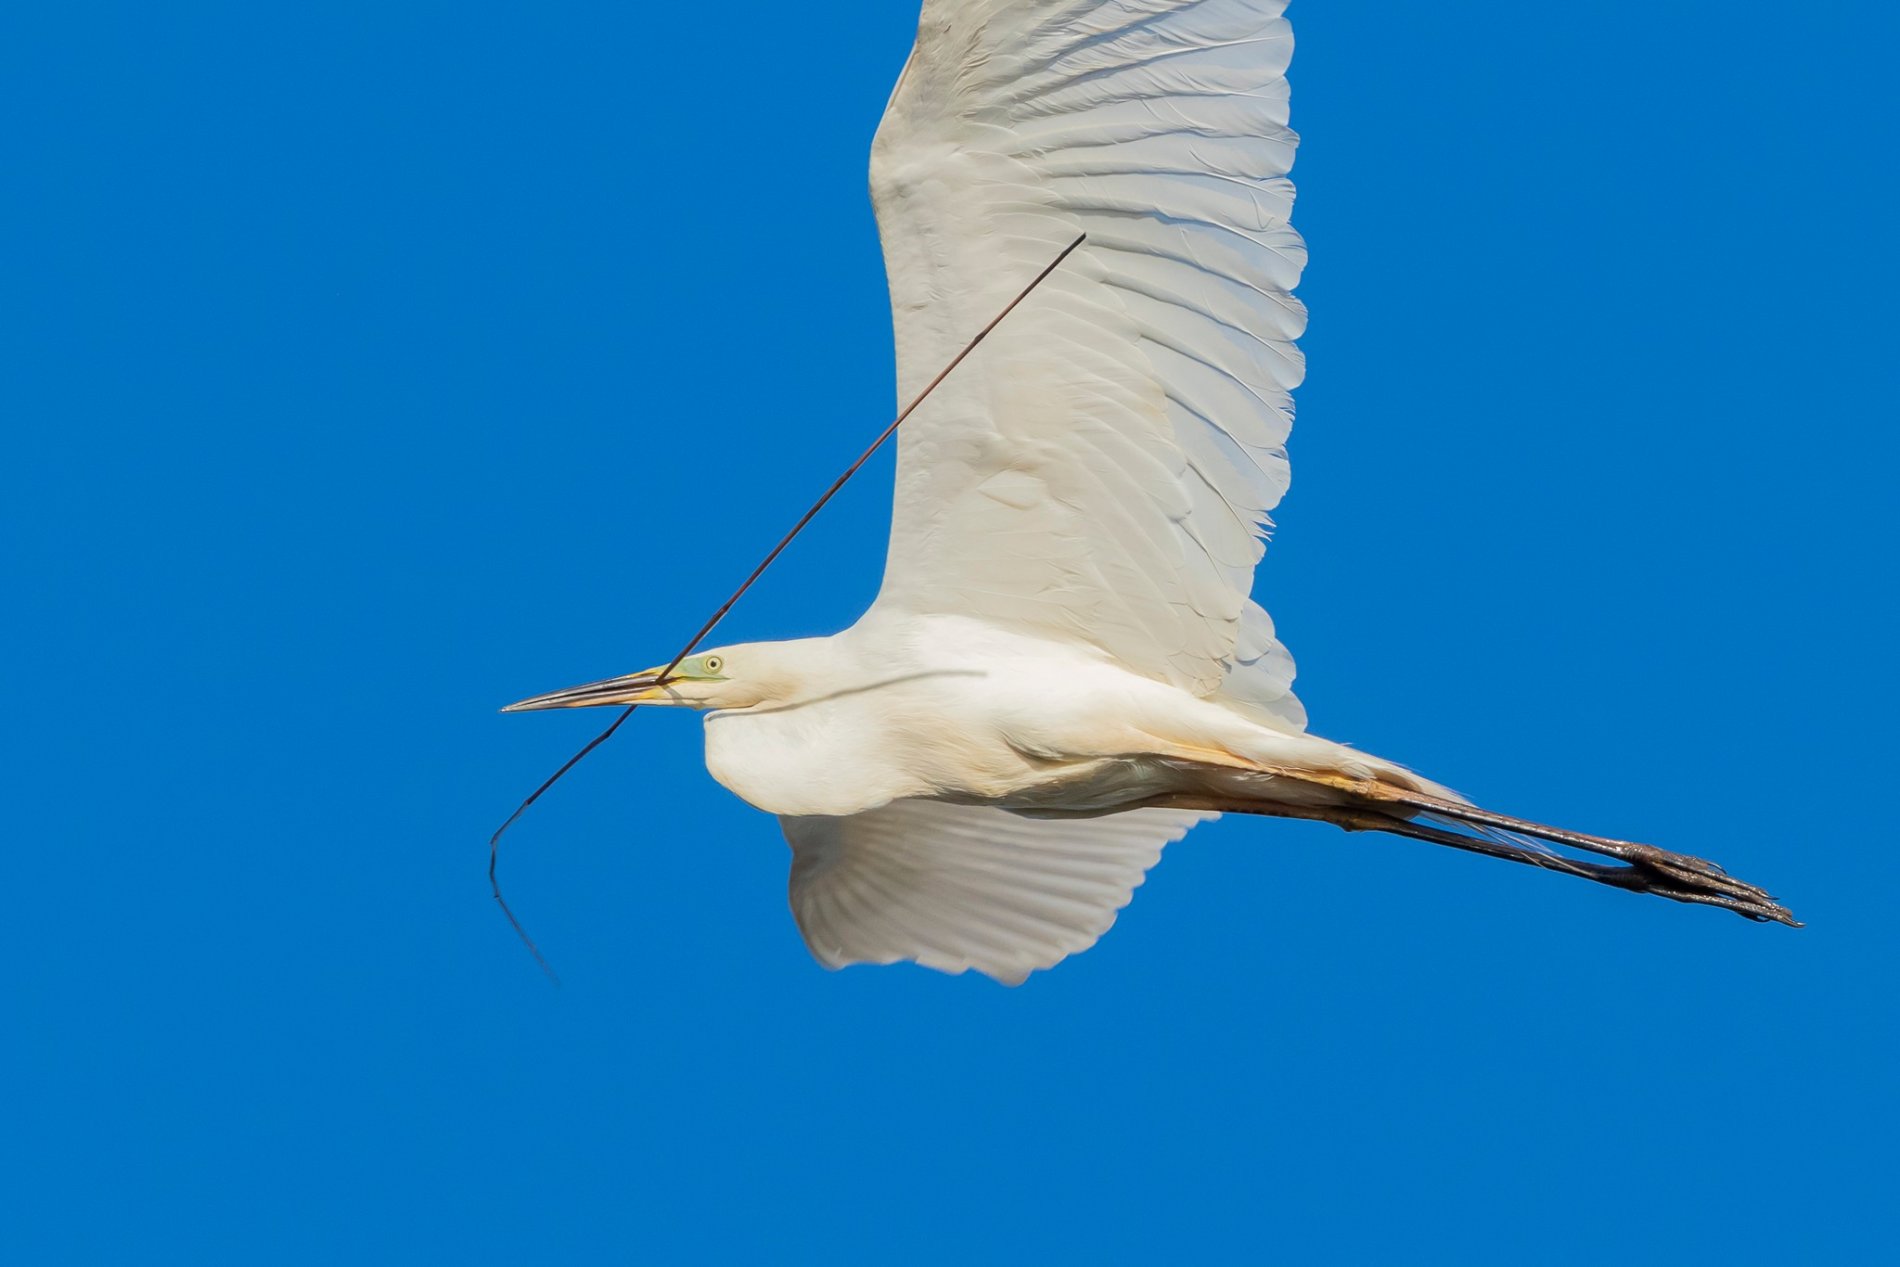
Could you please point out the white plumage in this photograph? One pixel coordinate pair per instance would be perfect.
(902, 881)
(1103, 473)
(1063, 670)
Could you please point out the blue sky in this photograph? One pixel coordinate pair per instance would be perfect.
(367, 369)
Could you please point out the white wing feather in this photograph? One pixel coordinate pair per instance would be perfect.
(955, 887)
(1102, 470)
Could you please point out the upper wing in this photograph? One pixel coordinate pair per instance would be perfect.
(955, 887)
(1102, 470)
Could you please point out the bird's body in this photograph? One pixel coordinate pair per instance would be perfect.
(1064, 668)
(956, 709)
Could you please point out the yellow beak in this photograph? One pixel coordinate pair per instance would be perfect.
(635, 688)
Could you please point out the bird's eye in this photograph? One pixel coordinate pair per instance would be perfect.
(714, 664)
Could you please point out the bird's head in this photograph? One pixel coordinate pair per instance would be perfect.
(725, 678)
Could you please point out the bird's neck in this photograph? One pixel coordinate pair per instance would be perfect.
(801, 670)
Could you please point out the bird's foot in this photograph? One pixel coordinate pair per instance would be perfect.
(1687, 879)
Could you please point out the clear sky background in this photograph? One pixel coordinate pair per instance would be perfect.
(367, 368)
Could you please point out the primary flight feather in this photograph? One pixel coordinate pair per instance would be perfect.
(1064, 670)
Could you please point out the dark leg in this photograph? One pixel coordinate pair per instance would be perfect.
(1646, 868)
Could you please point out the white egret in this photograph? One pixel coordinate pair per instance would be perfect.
(1063, 670)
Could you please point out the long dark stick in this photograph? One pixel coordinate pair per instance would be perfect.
(494, 842)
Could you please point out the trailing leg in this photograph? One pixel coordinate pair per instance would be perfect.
(1369, 805)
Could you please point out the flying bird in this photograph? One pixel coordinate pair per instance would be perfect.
(1063, 670)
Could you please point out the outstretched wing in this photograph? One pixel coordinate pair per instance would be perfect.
(956, 887)
(1101, 470)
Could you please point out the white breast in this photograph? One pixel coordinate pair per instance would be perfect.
(817, 758)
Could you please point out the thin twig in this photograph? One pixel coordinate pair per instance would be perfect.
(864, 457)
(494, 842)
